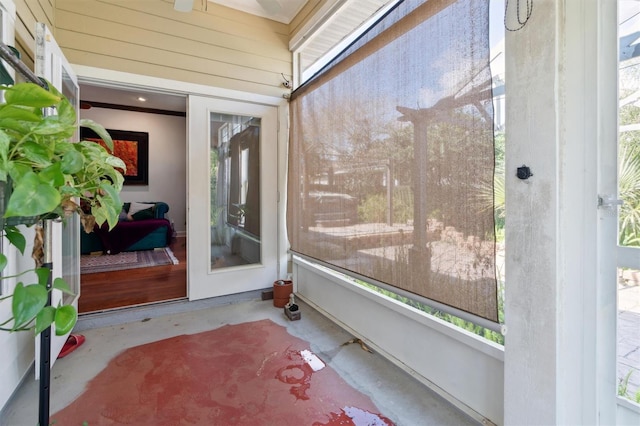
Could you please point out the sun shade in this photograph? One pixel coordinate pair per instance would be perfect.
(391, 157)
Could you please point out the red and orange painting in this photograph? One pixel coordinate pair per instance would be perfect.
(127, 151)
(131, 147)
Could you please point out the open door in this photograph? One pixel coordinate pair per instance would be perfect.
(232, 218)
(51, 64)
(627, 348)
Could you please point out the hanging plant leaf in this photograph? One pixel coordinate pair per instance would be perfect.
(18, 113)
(27, 302)
(44, 319)
(5, 142)
(66, 113)
(72, 162)
(52, 175)
(61, 284)
(52, 126)
(35, 152)
(32, 197)
(16, 238)
(10, 124)
(30, 94)
(43, 276)
(102, 133)
(65, 319)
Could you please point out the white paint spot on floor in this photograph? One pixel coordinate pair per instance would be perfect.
(310, 358)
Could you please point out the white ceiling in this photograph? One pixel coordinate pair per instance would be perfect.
(129, 97)
(278, 10)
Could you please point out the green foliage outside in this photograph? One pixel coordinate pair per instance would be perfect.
(629, 178)
(374, 207)
(623, 388)
(498, 186)
(466, 325)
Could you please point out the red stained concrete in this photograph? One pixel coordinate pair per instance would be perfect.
(246, 374)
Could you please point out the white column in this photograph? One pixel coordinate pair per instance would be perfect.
(561, 109)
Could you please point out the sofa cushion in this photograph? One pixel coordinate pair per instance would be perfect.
(121, 237)
(143, 214)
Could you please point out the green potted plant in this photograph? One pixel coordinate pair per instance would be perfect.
(43, 175)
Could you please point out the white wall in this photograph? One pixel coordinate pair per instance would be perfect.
(462, 367)
(18, 349)
(167, 157)
(17, 353)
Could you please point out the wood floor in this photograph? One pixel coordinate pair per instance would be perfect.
(110, 290)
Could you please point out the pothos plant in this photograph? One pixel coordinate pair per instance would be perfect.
(43, 175)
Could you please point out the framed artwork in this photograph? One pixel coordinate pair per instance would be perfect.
(130, 147)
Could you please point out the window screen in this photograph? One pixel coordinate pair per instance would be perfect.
(391, 156)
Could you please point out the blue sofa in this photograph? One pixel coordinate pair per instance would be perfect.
(146, 229)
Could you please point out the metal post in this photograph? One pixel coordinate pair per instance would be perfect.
(45, 336)
(19, 66)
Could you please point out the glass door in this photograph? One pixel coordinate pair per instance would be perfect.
(232, 218)
(628, 283)
(51, 64)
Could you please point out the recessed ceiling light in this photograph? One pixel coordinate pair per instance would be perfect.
(141, 99)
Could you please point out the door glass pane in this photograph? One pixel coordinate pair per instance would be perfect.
(234, 190)
(71, 227)
(628, 335)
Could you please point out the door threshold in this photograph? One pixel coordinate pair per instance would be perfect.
(144, 312)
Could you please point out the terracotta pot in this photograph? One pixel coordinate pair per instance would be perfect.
(282, 289)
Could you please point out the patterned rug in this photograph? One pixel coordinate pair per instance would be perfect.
(90, 264)
(247, 374)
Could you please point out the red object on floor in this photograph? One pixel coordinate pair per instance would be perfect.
(72, 343)
(247, 374)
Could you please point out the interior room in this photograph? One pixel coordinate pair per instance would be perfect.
(334, 212)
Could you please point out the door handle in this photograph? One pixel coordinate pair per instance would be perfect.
(608, 202)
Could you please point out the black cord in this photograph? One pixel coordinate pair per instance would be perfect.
(521, 22)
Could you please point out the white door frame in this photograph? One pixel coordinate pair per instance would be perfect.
(124, 80)
(205, 281)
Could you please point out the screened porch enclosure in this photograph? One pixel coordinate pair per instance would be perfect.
(391, 157)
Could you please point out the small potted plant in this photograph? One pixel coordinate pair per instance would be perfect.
(43, 175)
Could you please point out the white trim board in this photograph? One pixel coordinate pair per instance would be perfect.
(111, 78)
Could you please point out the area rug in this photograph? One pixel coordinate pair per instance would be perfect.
(247, 374)
(90, 264)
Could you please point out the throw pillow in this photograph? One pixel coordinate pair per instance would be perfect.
(143, 214)
(135, 207)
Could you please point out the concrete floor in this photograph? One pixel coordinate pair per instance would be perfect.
(397, 395)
